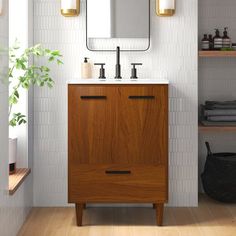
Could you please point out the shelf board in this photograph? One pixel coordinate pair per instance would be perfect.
(16, 179)
(203, 128)
(217, 53)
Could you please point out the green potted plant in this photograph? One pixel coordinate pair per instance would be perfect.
(23, 74)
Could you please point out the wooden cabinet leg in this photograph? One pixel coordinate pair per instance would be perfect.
(84, 206)
(154, 206)
(79, 213)
(159, 213)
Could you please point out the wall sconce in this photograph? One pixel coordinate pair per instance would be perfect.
(165, 7)
(70, 7)
(1, 7)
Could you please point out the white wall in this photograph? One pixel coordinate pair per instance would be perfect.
(173, 54)
(217, 80)
(13, 209)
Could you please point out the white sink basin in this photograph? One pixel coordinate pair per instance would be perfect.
(115, 81)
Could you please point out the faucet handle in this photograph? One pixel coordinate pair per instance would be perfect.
(134, 70)
(99, 64)
(102, 70)
(136, 64)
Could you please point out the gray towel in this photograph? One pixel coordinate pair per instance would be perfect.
(220, 112)
(211, 105)
(221, 103)
(219, 123)
(220, 107)
(221, 118)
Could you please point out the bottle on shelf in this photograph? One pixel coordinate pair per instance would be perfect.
(205, 43)
(226, 39)
(218, 41)
(234, 46)
(211, 42)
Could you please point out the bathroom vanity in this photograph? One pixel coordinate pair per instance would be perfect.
(118, 143)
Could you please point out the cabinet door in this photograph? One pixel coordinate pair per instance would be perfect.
(91, 130)
(143, 124)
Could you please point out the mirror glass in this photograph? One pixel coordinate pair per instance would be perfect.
(115, 21)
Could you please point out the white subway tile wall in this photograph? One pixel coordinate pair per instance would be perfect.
(173, 55)
(13, 209)
(217, 80)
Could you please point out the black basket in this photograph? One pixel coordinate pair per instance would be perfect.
(219, 176)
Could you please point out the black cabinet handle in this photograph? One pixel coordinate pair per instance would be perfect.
(93, 97)
(118, 172)
(141, 97)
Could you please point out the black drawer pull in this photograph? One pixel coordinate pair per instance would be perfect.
(141, 97)
(93, 97)
(118, 172)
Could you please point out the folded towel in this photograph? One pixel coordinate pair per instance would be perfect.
(220, 107)
(222, 118)
(224, 112)
(218, 123)
(212, 105)
(221, 103)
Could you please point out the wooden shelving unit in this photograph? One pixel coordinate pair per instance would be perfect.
(203, 128)
(217, 53)
(16, 179)
(226, 54)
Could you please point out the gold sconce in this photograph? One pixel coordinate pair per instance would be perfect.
(70, 7)
(165, 7)
(1, 7)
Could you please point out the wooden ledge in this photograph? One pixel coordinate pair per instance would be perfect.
(217, 53)
(203, 128)
(16, 179)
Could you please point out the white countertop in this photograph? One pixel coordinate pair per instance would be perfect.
(115, 81)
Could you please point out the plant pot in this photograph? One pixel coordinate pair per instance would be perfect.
(12, 155)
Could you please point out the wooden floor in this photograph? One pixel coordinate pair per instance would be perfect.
(209, 219)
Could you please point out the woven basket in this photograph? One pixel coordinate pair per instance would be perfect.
(219, 176)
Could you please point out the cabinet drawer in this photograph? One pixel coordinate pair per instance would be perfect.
(117, 183)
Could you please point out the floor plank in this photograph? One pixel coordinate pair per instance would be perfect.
(209, 219)
(185, 223)
(222, 217)
(204, 219)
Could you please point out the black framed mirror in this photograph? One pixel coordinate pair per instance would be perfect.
(110, 23)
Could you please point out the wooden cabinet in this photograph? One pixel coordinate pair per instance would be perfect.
(118, 145)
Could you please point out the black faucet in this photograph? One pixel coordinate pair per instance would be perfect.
(118, 66)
